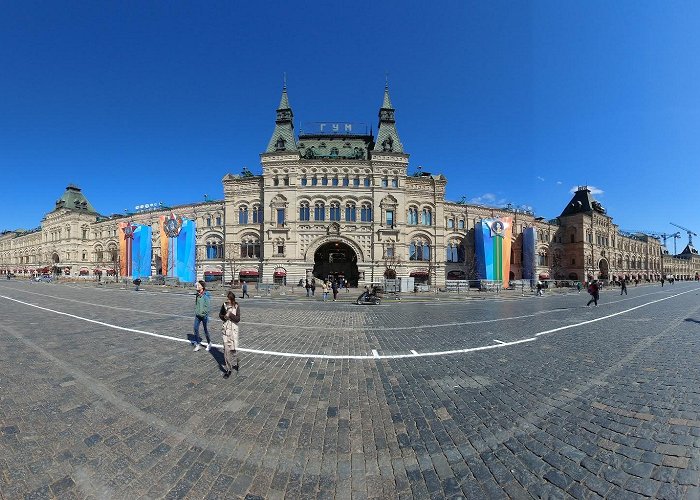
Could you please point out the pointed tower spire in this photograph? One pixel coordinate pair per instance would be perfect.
(387, 136)
(283, 136)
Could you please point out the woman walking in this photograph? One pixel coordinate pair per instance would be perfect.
(231, 315)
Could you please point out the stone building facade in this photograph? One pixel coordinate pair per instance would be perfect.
(341, 203)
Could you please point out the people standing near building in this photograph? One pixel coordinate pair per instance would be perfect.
(230, 314)
(324, 287)
(307, 285)
(202, 303)
(334, 287)
(623, 287)
(313, 286)
(244, 289)
(594, 290)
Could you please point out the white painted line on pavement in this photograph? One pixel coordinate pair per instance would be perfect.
(374, 355)
(414, 352)
(499, 341)
(612, 315)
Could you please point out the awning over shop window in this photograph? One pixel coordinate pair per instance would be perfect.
(280, 273)
(544, 276)
(418, 274)
(249, 273)
(213, 273)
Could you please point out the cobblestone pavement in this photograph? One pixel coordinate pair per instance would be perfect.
(589, 402)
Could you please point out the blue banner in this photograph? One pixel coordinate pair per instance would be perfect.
(529, 253)
(141, 252)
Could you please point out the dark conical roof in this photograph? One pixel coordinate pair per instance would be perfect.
(582, 202)
(689, 250)
(74, 199)
(283, 136)
(387, 135)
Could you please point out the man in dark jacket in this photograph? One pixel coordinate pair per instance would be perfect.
(594, 290)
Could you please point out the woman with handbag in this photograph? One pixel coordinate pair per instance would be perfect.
(230, 314)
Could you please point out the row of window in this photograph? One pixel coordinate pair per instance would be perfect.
(334, 212)
(344, 181)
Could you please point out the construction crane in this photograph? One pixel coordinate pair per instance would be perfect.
(689, 231)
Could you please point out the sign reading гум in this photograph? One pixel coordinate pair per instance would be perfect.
(345, 128)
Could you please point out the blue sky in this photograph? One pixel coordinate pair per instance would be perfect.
(515, 102)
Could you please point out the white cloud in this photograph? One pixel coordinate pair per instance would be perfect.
(592, 189)
(486, 198)
(540, 178)
(559, 182)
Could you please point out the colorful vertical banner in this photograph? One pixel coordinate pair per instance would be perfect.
(493, 249)
(529, 253)
(135, 249)
(178, 246)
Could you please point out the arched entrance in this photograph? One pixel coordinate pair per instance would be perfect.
(336, 259)
(604, 270)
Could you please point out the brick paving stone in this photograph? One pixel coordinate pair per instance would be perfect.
(614, 416)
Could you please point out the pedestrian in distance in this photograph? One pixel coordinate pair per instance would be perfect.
(313, 287)
(578, 286)
(308, 288)
(539, 289)
(230, 314)
(334, 287)
(594, 290)
(324, 287)
(662, 282)
(202, 303)
(623, 287)
(244, 289)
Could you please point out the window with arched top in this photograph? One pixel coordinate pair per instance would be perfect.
(419, 249)
(460, 224)
(214, 249)
(304, 211)
(350, 212)
(412, 216)
(243, 215)
(319, 211)
(257, 214)
(334, 212)
(366, 212)
(250, 247)
(450, 223)
(426, 217)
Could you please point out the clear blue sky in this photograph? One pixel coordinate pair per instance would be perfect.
(516, 102)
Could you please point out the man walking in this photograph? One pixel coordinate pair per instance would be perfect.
(202, 303)
(623, 287)
(594, 290)
(244, 289)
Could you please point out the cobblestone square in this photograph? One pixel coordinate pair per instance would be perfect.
(101, 396)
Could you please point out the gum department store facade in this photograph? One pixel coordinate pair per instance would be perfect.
(338, 202)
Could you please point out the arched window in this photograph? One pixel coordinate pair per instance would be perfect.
(460, 224)
(413, 215)
(320, 211)
(112, 249)
(99, 254)
(450, 223)
(350, 212)
(257, 214)
(366, 212)
(451, 254)
(215, 249)
(419, 249)
(242, 215)
(334, 211)
(250, 247)
(304, 211)
(426, 217)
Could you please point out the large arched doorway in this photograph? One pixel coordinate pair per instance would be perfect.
(334, 260)
(604, 270)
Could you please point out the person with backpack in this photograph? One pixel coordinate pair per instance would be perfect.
(202, 302)
(230, 314)
(594, 290)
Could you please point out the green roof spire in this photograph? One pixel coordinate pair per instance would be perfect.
(283, 136)
(387, 136)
